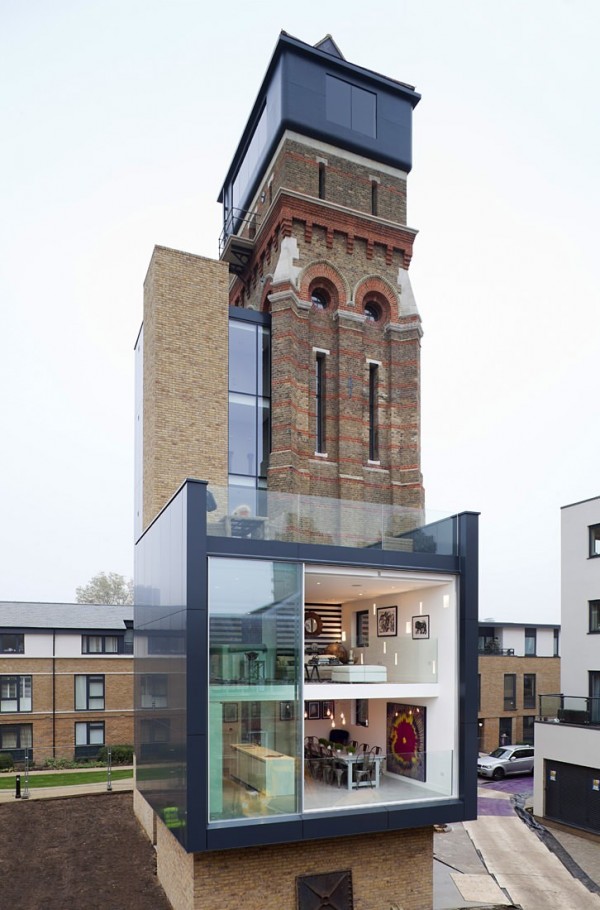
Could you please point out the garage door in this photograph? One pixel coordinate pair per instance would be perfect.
(572, 795)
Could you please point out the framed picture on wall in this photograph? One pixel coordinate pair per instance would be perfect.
(286, 710)
(313, 710)
(230, 712)
(420, 627)
(327, 710)
(387, 621)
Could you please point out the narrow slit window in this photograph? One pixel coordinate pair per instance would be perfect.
(374, 197)
(373, 412)
(321, 180)
(320, 401)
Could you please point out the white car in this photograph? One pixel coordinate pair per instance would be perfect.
(506, 760)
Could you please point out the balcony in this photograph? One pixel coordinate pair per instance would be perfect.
(331, 522)
(569, 709)
(237, 239)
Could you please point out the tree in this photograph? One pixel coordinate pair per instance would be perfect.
(106, 589)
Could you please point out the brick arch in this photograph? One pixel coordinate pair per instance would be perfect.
(265, 305)
(374, 287)
(321, 273)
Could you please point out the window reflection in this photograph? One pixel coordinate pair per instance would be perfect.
(255, 609)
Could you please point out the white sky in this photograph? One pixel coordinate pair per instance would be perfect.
(119, 119)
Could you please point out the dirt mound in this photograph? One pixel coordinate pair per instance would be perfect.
(80, 853)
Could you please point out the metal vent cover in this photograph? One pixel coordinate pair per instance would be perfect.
(331, 891)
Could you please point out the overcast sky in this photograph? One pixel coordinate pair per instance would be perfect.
(119, 119)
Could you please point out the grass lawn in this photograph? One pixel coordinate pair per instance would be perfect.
(58, 779)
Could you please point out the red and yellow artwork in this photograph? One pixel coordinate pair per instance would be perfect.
(406, 740)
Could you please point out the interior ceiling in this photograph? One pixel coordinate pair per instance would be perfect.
(332, 586)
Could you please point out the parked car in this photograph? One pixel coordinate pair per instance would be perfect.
(506, 760)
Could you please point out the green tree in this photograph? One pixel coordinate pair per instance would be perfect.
(106, 589)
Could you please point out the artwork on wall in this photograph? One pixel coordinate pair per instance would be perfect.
(387, 621)
(327, 710)
(286, 710)
(313, 710)
(230, 712)
(406, 725)
(420, 627)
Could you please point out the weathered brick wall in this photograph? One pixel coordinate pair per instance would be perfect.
(185, 374)
(492, 669)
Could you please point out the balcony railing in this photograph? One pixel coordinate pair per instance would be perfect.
(332, 522)
(569, 709)
(238, 221)
(493, 649)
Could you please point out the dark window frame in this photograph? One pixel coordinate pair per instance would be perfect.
(322, 181)
(373, 411)
(529, 698)
(7, 728)
(362, 635)
(89, 679)
(531, 635)
(510, 701)
(17, 677)
(320, 408)
(89, 724)
(154, 689)
(120, 643)
(18, 640)
(594, 541)
(374, 198)
(594, 623)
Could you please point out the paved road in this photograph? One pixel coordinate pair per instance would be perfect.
(499, 860)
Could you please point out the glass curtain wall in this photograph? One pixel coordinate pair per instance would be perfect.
(249, 413)
(255, 665)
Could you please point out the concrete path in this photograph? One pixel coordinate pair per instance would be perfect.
(523, 866)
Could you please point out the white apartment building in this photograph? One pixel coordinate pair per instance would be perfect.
(567, 734)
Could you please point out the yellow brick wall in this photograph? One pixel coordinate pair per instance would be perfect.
(185, 374)
(394, 867)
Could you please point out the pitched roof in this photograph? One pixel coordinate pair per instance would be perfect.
(64, 616)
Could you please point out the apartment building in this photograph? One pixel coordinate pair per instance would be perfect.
(66, 679)
(567, 734)
(516, 663)
(309, 626)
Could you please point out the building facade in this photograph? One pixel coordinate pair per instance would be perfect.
(309, 626)
(66, 680)
(567, 736)
(516, 664)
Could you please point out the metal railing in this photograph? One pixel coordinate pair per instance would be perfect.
(569, 709)
(235, 222)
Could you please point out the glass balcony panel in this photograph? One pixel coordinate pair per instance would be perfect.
(333, 522)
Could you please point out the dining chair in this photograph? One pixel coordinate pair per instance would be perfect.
(375, 750)
(364, 747)
(365, 771)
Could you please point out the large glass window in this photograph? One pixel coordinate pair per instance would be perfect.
(255, 610)
(249, 402)
(351, 106)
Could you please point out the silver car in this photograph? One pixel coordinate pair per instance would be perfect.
(506, 760)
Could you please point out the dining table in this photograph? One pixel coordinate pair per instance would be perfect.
(351, 759)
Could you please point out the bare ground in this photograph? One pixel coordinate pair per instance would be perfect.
(77, 853)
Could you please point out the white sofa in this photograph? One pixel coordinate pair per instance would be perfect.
(354, 673)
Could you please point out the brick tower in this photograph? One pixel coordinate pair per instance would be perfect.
(315, 234)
